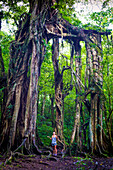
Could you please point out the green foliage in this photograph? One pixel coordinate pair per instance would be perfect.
(103, 18)
(14, 9)
(63, 4)
(5, 40)
(45, 129)
(70, 15)
(46, 80)
(100, 21)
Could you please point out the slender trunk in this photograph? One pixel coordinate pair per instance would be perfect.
(93, 122)
(43, 104)
(52, 111)
(83, 127)
(100, 101)
(76, 124)
(88, 65)
(38, 100)
(76, 129)
(58, 90)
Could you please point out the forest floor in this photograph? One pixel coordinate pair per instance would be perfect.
(58, 163)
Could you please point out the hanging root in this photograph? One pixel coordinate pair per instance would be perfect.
(38, 150)
(22, 144)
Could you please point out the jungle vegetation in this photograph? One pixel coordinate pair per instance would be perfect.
(56, 74)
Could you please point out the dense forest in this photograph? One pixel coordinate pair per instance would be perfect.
(56, 74)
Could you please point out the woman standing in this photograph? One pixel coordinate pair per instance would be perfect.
(54, 143)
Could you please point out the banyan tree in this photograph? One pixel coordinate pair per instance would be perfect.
(27, 53)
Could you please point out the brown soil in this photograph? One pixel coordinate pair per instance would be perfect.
(58, 163)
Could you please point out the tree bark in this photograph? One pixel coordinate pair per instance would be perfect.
(52, 110)
(96, 86)
(43, 104)
(1, 59)
(76, 129)
(27, 54)
(3, 78)
(58, 90)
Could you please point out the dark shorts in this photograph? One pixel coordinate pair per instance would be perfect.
(53, 144)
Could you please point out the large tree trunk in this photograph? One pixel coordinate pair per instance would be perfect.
(95, 83)
(2, 69)
(3, 78)
(27, 51)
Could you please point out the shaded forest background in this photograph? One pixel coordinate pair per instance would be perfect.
(46, 105)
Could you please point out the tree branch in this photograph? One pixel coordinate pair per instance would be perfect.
(65, 68)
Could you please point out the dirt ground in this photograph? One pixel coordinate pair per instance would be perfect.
(58, 163)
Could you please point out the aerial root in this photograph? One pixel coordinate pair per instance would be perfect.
(38, 150)
(13, 155)
(22, 144)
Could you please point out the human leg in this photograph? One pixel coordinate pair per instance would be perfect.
(55, 149)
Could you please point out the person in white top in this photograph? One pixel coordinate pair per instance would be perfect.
(54, 139)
